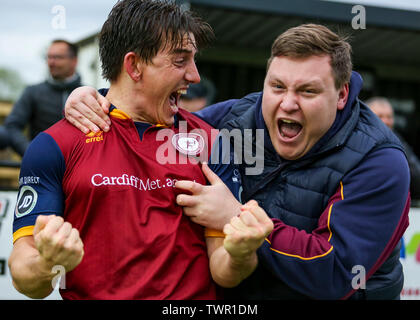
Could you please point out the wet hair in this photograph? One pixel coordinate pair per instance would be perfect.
(316, 40)
(145, 27)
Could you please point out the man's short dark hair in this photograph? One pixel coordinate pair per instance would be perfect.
(73, 49)
(315, 40)
(145, 27)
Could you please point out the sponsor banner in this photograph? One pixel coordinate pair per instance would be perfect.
(411, 261)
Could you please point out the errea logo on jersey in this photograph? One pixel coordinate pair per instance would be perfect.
(94, 137)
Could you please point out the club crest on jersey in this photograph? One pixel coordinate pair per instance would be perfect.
(190, 144)
(26, 201)
(94, 136)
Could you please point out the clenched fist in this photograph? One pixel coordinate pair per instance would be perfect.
(58, 242)
(246, 232)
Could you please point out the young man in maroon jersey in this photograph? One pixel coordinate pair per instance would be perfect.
(101, 205)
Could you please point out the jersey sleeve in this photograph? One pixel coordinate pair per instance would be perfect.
(362, 223)
(40, 184)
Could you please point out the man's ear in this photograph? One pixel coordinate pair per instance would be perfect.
(133, 66)
(343, 95)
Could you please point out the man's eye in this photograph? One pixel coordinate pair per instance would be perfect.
(310, 91)
(179, 61)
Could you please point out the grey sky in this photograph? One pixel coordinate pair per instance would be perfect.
(26, 28)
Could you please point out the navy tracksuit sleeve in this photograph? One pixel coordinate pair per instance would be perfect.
(361, 225)
(213, 114)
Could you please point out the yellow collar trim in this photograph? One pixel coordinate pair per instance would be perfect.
(117, 113)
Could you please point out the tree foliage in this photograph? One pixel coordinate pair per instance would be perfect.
(11, 84)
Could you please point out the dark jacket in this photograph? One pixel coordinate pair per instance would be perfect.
(414, 164)
(40, 106)
(337, 208)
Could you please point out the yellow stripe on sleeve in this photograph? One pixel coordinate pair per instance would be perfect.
(329, 237)
(314, 257)
(23, 232)
(212, 233)
(300, 257)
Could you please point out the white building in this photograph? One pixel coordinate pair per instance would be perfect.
(89, 65)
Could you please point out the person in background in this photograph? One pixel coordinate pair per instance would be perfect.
(382, 107)
(198, 96)
(41, 105)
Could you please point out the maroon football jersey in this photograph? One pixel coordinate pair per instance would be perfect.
(137, 242)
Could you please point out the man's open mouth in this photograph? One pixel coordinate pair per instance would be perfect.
(288, 128)
(174, 97)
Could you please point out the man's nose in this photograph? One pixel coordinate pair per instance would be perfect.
(289, 102)
(192, 74)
